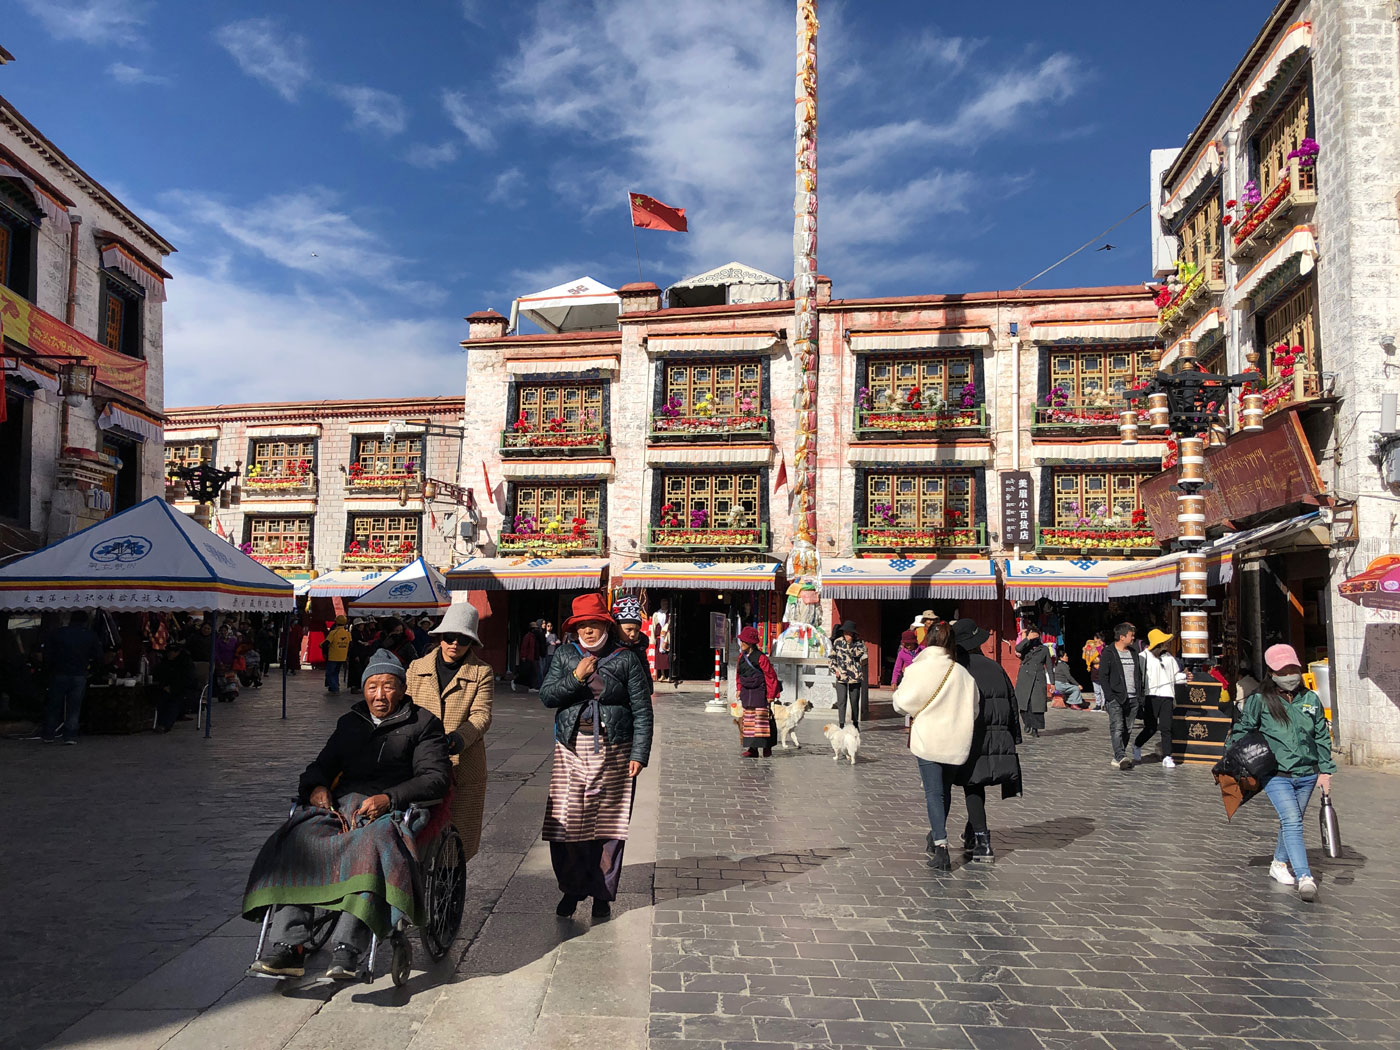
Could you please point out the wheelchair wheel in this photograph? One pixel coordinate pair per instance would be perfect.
(445, 892)
(401, 962)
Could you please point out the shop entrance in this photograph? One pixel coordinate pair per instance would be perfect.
(1077, 622)
(896, 616)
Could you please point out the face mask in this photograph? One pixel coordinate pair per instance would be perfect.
(594, 648)
(1288, 682)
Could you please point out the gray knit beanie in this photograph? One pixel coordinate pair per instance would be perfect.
(385, 662)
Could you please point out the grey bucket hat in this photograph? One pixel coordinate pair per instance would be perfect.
(461, 618)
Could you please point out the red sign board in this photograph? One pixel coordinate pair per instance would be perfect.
(43, 333)
(1252, 473)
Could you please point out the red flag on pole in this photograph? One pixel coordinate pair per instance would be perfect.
(650, 214)
(781, 478)
(489, 495)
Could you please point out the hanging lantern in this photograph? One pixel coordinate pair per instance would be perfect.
(76, 379)
(430, 490)
(1128, 426)
(1252, 412)
(1218, 435)
(403, 495)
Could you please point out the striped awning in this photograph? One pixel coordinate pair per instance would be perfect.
(1134, 331)
(1106, 451)
(527, 574)
(920, 338)
(344, 583)
(140, 426)
(1209, 322)
(41, 379)
(1300, 242)
(909, 578)
(54, 210)
(527, 366)
(733, 455)
(714, 343)
(115, 257)
(1206, 165)
(1297, 37)
(926, 455)
(699, 575)
(584, 469)
(1080, 580)
(1159, 575)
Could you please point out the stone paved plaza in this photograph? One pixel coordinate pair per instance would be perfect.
(766, 904)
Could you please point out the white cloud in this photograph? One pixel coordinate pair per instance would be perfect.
(267, 52)
(91, 21)
(471, 11)
(459, 111)
(421, 155)
(133, 75)
(372, 109)
(508, 188)
(873, 216)
(306, 231)
(227, 342)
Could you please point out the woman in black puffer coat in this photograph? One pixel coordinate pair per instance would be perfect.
(995, 733)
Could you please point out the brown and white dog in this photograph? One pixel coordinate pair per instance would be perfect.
(788, 717)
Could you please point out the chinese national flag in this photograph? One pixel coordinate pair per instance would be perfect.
(650, 214)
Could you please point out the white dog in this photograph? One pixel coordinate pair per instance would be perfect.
(788, 717)
(844, 741)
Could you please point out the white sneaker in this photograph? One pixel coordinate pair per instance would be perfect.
(1168, 762)
(1307, 888)
(1278, 871)
(1137, 753)
(1116, 763)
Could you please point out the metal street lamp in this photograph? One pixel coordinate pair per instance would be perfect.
(205, 483)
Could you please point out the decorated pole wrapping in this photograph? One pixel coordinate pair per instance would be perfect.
(803, 561)
(1191, 537)
(716, 699)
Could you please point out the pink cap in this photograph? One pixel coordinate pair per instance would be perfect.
(1277, 657)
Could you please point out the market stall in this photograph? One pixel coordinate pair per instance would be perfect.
(415, 590)
(149, 558)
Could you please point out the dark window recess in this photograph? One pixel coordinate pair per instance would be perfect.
(14, 460)
(125, 488)
(18, 242)
(119, 316)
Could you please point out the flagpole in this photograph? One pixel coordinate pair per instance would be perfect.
(635, 246)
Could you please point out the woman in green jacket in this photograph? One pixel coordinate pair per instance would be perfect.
(1295, 725)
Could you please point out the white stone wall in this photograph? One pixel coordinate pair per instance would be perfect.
(1356, 91)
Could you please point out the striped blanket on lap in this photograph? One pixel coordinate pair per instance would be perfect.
(371, 872)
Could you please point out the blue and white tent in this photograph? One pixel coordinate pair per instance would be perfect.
(415, 590)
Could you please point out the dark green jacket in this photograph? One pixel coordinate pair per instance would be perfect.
(1301, 743)
(625, 706)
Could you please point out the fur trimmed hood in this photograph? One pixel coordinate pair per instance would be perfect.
(942, 731)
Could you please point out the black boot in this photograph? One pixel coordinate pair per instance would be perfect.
(602, 910)
(939, 859)
(982, 850)
(566, 906)
(969, 841)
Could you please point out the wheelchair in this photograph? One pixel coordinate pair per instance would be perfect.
(442, 868)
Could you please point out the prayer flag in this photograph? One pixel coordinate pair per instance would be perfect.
(487, 477)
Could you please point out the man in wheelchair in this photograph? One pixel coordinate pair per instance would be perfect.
(341, 850)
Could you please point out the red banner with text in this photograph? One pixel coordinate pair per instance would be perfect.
(24, 323)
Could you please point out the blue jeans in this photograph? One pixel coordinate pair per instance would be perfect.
(938, 796)
(65, 704)
(1290, 797)
(333, 674)
(1074, 696)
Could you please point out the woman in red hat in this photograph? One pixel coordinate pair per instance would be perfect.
(602, 740)
(758, 687)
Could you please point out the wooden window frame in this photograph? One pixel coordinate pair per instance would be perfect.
(684, 379)
(269, 534)
(1280, 137)
(584, 499)
(390, 536)
(1118, 484)
(373, 458)
(926, 507)
(258, 457)
(1299, 330)
(716, 492)
(543, 403)
(177, 454)
(119, 318)
(931, 373)
(1112, 381)
(1201, 234)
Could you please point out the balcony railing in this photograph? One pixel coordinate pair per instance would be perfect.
(1074, 417)
(884, 422)
(282, 559)
(371, 559)
(1193, 297)
(1082, 539)
(743, 427)
(1256, 229)
(679, 538)
(548, 443)
(360, 481)
(545, 545)
(899, 538)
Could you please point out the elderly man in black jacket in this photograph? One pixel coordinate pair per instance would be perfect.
(386, 753)
(1123, 679)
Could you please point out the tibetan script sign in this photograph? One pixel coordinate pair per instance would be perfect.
(1017, 508)
(1253, 473)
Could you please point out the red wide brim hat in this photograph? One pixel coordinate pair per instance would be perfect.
(750, 636)
(589, 608)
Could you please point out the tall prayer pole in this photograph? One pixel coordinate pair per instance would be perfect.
(804, 560)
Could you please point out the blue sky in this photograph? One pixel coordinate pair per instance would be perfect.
(345, 181)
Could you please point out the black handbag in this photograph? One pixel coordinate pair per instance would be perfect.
(1251, 758)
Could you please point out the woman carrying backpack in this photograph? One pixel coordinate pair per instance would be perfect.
(1292, 720)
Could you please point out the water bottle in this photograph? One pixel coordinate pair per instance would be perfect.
(1331, 827)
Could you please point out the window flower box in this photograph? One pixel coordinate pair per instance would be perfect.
(1188, 299)
(521, 442)
(751, 425)
(281, 559)
(357, 479)
(1070, 416)
(705, 538)
(298, 479)
(873, 421)
(1257, 226)
(899, 538)
(543, 544)
(1093, 538)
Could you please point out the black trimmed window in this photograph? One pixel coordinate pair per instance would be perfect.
(119, 315)
(19, 223)
(941, 377)
(1082, 496)
(920, 500)
(279, 534)
(402, 455)
(188, 454)
(1088, 375)
(724, 387)
(1284, 134)
(563, 408)
(282, 457)
(387, 533)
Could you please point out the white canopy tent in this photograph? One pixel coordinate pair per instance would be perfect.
(584, 305)
(345, 583)
(415, 590)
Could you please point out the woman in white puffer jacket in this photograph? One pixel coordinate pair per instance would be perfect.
(941, 696)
